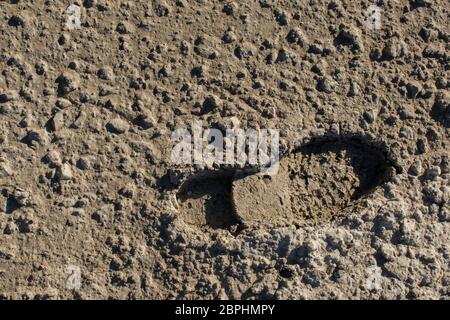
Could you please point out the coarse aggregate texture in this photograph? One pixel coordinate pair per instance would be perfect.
(87, 181)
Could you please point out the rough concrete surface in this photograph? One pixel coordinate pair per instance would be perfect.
(92, 207)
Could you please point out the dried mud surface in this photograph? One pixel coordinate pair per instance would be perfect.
(86, 177)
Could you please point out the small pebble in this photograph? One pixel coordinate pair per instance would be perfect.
(64, 172)
(118, 126)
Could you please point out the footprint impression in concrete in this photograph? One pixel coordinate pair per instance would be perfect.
(315, 182)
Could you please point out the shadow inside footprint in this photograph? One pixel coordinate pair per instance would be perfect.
(367, 163)
(205, 200)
